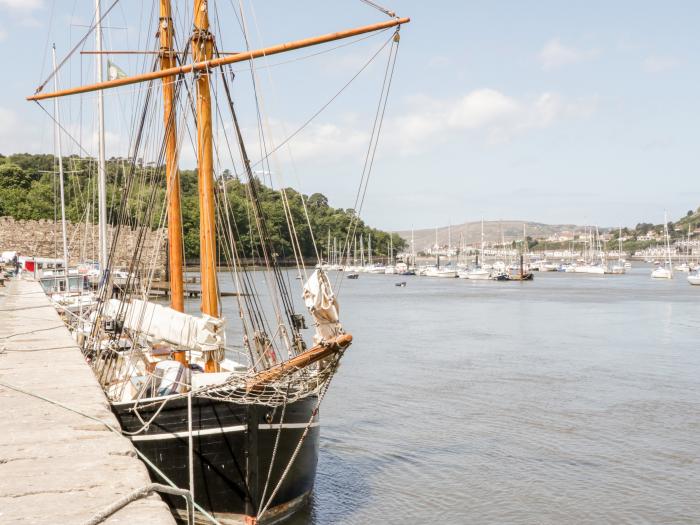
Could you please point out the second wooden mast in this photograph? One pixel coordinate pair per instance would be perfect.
(202, 50)
(172, 176)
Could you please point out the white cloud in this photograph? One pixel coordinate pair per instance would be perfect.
(554, 54)
(485, 113)
(21, 5)
(320, 142)
(17, 134)
(482, 108)
(22, 13)
(659, 64)
(414, 126)
(439, 61)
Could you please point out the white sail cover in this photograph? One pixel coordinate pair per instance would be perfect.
(161, 323)
(323, 306)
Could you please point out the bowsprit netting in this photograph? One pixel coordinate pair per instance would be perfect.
(302, 383)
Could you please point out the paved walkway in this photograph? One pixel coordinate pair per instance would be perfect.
(57, 467)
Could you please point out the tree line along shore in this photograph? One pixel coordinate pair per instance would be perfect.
(29, 191)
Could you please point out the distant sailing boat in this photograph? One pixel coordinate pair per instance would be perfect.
(522, 273)
(374, 267)
(478, 273)
(391, 263)
(619, 266)
(665, 271)
(235, 423)
(685, 265)
(68, 292)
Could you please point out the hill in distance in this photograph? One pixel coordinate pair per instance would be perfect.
(494, 231)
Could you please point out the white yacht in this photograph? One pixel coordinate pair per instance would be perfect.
(665, 270)
(376, 268)
(661, 272)
(475, 274)
(445, 272)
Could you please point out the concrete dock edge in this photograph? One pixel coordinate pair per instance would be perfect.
(57, 466)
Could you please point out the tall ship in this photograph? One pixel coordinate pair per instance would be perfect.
(224, 407)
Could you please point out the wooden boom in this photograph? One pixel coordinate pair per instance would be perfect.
(310, 356)
(222, 61)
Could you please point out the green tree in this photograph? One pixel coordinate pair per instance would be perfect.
(13, 176)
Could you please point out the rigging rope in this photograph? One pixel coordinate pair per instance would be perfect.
(372, 148)
(384, 10)
(294, 455)
(328, 103)
(75, 48)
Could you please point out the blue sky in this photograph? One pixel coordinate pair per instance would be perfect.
(559, 112)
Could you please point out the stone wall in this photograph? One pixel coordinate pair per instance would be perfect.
(42, 238)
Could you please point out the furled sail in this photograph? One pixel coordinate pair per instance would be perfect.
(323, 306)
(161, 323)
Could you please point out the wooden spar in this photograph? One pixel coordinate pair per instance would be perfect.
(310, 356)
(222, 61)
(144, 53)
(175, 256)
(202, 49)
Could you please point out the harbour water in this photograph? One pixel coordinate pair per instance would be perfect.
(569, 399)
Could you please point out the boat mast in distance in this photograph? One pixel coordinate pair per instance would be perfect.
(59, 154)
(101, 170)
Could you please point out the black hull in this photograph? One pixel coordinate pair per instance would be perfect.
(233, 446)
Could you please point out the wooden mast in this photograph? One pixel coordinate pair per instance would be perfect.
(202, 49)
(218, 62)
(175, 257)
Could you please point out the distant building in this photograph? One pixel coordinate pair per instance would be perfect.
(562, 236)
(649, 236)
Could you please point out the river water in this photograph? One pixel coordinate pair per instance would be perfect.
(569, 399)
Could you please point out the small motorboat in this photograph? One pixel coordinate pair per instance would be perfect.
(402, 284)
(353, 275)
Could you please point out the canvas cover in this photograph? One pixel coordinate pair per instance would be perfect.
(322, 304)
(161, 323)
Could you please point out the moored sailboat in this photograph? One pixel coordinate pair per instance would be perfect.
(665, 270)
(237, 426)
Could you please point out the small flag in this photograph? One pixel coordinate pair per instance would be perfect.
(114, 71)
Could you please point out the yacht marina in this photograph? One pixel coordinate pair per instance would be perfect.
(565, 429)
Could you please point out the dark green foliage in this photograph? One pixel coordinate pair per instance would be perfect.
(13, 176)
(26, 192)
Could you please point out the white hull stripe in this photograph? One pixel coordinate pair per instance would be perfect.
(219, 430)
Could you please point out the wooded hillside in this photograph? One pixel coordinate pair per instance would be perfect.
(29, 190)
